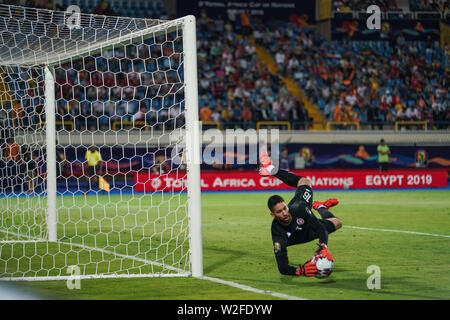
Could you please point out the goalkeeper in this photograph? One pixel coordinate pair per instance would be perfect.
(294, 223)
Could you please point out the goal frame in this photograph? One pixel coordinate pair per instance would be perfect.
(192, 149)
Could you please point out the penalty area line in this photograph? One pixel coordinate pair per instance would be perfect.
(399, 231)
(251, 289)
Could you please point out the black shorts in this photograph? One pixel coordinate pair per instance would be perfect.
(303, 198)
(92, 171)
(329, 226)
(309, 234)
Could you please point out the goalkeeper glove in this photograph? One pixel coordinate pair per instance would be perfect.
(308, 269)
(323, 250)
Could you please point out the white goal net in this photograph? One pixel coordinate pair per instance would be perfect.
(89, 106)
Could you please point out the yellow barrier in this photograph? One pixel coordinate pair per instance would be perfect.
(273, 123)
(342, 123)
(60, 124)
(63, 124)
(399, 123)
(212, 123)
(130, 124)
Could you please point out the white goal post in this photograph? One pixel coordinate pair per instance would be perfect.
(125, 86)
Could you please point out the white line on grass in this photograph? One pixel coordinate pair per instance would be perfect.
(30, 238)
(399, 231)
(284, 296)
(248, 288)
(181, 272)
(104, 251)
(241, 286)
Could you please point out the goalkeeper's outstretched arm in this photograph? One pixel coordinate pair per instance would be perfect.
(282, 259)
(308, 269)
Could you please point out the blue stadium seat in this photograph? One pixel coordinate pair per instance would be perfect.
(115, 4)
(156, 104)
(129, 12)
(143, 5)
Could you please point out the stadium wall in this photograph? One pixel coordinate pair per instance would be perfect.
(144, 138)
(411, 29)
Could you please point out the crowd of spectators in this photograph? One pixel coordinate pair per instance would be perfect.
(143, 9)
(140, 85)
(366, 82)
(132, 85)
(374, 82)
(429, 5)
(391, 5)
(235, 87)
(361, 5)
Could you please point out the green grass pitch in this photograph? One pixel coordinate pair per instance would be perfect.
(238, 248)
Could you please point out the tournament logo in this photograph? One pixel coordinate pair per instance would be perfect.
(300, 221)
(307, 155)
(276, 247)
(421, 158)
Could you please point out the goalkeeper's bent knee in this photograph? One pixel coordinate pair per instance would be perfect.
(304, 182)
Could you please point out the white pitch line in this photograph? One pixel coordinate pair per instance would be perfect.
(93, 249)
(22, 241)
(224, 282)
(248, 288)
(94, 277)
(268, 292)
(399, 231)
(30, 238)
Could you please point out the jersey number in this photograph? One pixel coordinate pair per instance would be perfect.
(307, 196)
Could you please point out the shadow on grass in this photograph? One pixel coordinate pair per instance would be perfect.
(392, 288)
(348, 287)
(227, 256)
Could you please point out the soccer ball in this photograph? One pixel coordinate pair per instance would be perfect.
(324, 266)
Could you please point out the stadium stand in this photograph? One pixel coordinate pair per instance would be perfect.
(433, 5)
(233, 82)
(392, 5)
(142, 9)
(362, 75)
(373, 84)
(361, 5)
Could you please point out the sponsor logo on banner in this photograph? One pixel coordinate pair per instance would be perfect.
(156, 183)
(344, 179)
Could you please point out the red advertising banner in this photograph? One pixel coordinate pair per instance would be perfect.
(321, 179)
